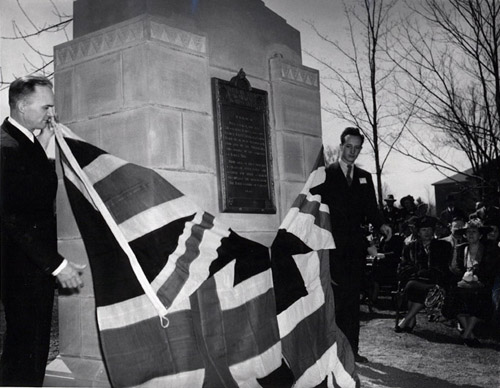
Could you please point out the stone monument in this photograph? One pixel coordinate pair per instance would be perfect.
(137, 81)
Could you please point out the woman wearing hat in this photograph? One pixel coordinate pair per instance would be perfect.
(424, 265)
(408, 207)
(473, 263)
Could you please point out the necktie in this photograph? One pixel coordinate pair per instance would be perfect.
(349, 177)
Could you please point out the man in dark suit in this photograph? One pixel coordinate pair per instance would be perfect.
(452, 211)
(29, 259)
(391, 213)
(350, 195)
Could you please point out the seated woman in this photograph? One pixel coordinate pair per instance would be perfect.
(473, 263)
(424, 264)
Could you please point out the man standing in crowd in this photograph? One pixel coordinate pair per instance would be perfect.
(452, 211)
(391, 213)
(350, 195)
(30, 262)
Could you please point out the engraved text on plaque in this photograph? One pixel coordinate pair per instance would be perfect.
(244, 157)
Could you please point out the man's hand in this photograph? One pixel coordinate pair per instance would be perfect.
(70, 277)
(46, 134)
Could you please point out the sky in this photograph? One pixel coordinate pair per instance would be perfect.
(401, 176)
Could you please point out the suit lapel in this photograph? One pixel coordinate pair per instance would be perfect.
(356, 178)
(16, 134)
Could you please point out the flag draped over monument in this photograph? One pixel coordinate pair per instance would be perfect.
(184, 301)
(314, 347)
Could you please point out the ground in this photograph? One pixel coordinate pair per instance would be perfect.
(431, 357)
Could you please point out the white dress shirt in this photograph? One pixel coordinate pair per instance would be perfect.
(343, 166)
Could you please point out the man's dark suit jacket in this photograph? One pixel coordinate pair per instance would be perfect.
(350, 208)
(28, 255)
(28, 189)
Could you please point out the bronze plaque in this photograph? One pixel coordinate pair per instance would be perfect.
(243, 142)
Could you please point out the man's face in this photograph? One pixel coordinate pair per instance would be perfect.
(426, 233)
(36, 109)
(351, 148)
(493, 235)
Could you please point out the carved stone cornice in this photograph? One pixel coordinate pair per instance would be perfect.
(177, 37)
(127, 34)
(292, 72)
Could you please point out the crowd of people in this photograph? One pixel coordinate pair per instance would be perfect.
(452, 260)
(449, 263)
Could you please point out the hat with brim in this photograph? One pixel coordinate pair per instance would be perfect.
(426, 222)
(475, 224)
(407, 198)
(390, 198)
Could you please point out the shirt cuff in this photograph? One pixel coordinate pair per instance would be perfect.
(60, 268)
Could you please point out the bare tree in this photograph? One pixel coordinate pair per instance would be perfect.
(27, 31)
(331, 154)
(447, 53)
(362, 88)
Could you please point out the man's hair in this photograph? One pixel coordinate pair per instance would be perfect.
(24, 86)
(353, 131)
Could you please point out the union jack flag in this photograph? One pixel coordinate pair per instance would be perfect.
(184, 301)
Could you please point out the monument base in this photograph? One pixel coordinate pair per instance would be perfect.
(76, 372)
